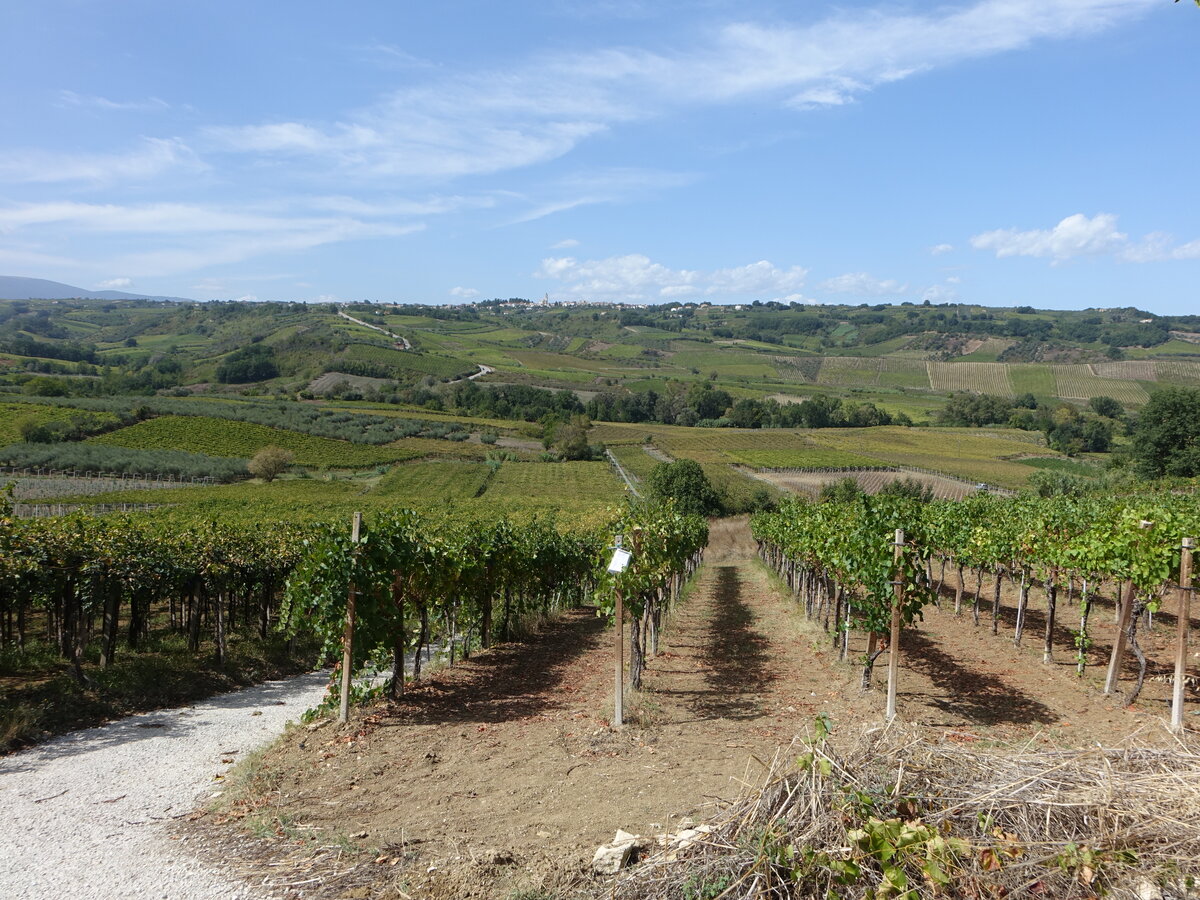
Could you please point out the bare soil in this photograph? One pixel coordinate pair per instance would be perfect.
(502, 774)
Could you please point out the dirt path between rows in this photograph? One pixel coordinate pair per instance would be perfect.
(502, 774)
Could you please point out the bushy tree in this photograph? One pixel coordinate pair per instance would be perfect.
(1166, 440)
(975, 410)
(1107, 407)
(270, 462)
(571, 439)
(684, 482)
(1069, 432)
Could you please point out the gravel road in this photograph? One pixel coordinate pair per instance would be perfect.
(86, 815)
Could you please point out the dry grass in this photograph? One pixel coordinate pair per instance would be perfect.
(901, 815)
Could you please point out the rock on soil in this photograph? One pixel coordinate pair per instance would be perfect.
(87, 814)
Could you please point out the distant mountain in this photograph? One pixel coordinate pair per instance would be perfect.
(14, 287)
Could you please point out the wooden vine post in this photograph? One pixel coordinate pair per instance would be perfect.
(897, 607)
(1181, 648)
(1118, 648)
(619, 687)
(1124, 616)
(348, 637)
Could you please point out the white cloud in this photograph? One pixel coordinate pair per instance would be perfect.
(1075, 235)
(1079, 235)
(464, 293)
(863, 285)
(150, 104)
(565, 244)
(115, 283)
(939, 249)
(154, 157)
(535, 111)
(637, 277)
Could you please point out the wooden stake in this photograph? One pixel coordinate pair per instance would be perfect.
(1118, 647)
(348, 637)
(894, 646)
(619, 692)
(1181, 639)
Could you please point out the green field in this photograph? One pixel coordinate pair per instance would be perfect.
(12, 415)
(635, 460)
(431, 481)
(563, 484)
(224, 437)
(974, 454)
(807, 458)
(393, 360)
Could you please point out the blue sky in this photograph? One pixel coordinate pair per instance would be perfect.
(1004, 152)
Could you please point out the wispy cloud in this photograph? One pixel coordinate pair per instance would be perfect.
(153, 158)
(224, 249)
(115, 284)
(464, 293)
(940, 249)
(539, 110)
(565, 244)
(862, 285)
(34, 259)
(637, 277)
(616, 185)
(209, 235)
(389, 56)
(149, 104)
(1079, 235)
(397, 206)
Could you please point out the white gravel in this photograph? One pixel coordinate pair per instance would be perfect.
(87, 814)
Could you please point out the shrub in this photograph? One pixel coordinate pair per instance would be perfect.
(270, 462)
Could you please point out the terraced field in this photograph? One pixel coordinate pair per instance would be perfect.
(1128, 369)
(975, 377)
(884, 371)
(1178, 371)
(1081, 383)
(971, 454)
